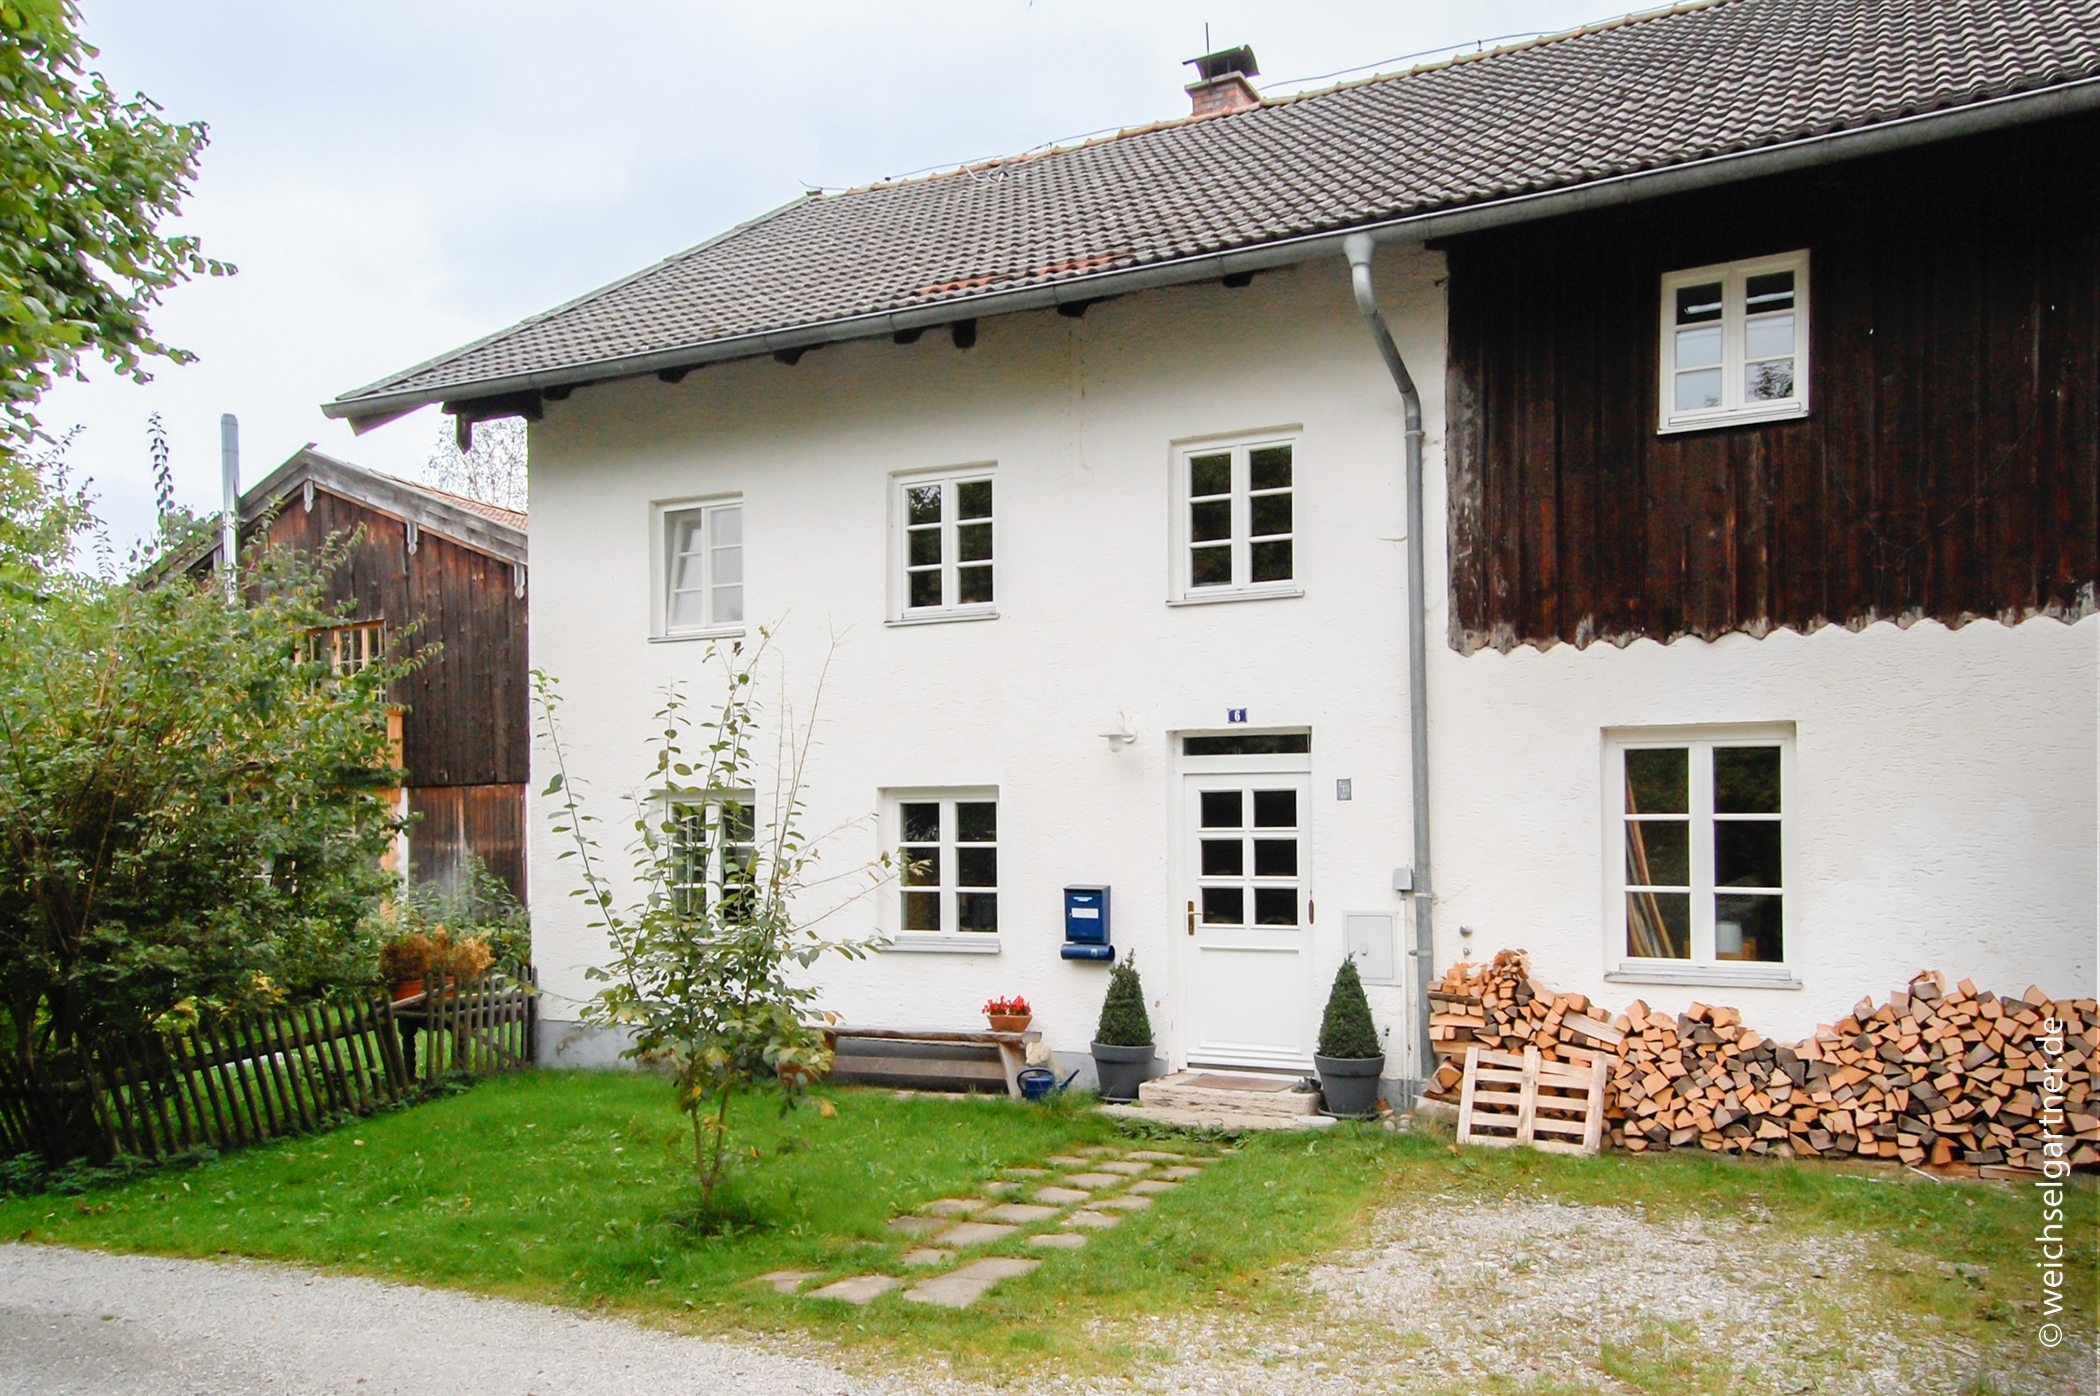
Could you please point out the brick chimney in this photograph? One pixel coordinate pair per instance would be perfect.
(1222, 82)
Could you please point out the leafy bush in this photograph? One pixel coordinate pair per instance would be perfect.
(1346, 1030)
(482, 910)
(1124, 1022)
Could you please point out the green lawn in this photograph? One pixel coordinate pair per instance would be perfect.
(572, 1188)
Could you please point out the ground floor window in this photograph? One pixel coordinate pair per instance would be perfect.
(1698, 846)
(947, 845)
(713, 852)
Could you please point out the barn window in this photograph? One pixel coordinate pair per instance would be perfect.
(1734, 344)
(346, 649)
(703, 570)
(1697, 852)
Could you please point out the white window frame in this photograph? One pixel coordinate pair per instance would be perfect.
(1702, 968)
(1735, 408)
(949, 478)
(1241, 588)
(664, 516)
(948, 940)
(708, 807)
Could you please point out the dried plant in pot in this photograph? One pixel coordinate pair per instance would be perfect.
(1123, 1042)
(1348, 1057)
(404, 962)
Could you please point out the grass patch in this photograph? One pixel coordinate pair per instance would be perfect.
(573, 1188)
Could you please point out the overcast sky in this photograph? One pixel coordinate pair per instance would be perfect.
(396, 179)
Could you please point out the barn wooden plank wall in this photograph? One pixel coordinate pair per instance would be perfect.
(452, 819)
(1950, 466)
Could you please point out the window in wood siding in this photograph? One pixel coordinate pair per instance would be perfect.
(1734, 344)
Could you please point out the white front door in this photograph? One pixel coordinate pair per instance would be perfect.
(1247, 932)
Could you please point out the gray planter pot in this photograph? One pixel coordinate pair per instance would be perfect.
(1121, 1069)
(1350, 1084)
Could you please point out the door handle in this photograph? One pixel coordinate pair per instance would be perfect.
(1192, 918)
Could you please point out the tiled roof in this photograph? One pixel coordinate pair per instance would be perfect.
(513, 518)
(1635, 95)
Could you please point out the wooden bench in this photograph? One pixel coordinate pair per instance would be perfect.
(932, 1059)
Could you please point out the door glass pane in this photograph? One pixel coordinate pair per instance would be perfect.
(1269, 468)
(1746, 780)
(1210, 475)
(1747, 928)
(1221, 809)
(1276, 857)
(1276, 906)
(1211, 566)
(1272, 561)
(1658, 781)
(973, 499)
(922, 911)
(1659, 852)
(1224, 906)
(1659, 925)
(1223, 858)
(922, 504)
(1276, 809)
(1746, 853)
(976, 865)
(977, 911)
(976, 821)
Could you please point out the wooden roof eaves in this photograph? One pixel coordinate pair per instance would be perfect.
(396, 499)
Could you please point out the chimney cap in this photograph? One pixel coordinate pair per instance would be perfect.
(1224, 63)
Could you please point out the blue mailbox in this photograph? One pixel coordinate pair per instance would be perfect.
(1086, 924)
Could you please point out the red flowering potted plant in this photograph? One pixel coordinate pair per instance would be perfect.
(1008, 1015)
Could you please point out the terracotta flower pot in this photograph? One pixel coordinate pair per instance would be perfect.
(406, 989)
(1009, 1022)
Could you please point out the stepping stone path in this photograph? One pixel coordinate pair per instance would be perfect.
(1067, 1196)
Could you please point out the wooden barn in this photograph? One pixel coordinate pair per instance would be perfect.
(432, 569)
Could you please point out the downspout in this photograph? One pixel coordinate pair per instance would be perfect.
(1358, 248)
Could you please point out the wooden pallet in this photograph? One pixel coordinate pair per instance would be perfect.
(1508, 1099)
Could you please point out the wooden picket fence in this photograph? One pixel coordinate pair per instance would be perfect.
(255, 1077)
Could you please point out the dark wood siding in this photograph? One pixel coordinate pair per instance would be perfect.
(454, 820)
(1950, 465)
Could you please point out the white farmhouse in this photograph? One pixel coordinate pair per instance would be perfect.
(1723, 628)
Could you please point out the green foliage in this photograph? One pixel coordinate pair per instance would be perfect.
(191, 819)
(1124, 1022)
(1346, 1030)
(702, 976)
(85, 179)
(480, 907)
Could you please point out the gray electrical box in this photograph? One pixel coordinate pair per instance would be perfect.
(1369, 936)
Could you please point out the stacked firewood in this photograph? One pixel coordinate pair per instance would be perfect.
(1938, 1074)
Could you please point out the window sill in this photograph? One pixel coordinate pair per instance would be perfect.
(1707, 976)
(713, 632)
(1784, 412)
(935, 943)
(1271, 592)
(945, 617)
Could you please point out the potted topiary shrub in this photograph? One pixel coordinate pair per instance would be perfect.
(1123, 1042)
(1348, 1055)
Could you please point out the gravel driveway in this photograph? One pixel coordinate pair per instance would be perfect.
(82, 1323)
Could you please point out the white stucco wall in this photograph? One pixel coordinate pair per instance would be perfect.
(1080, 417)
(1943, 812)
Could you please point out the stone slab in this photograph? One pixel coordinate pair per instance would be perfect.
(1000, 1188)
(1252, 1095)
(928, 1255)
(998, 1267)
(786, 1281)
(1126, 1204)
(1095, 1180)
(1154, 1156)
(912, 1226)
(1093, 1221)
(1128, 1170)
(1068, 1161)
(1026, 1172)
(1153, 1185)
(952, 1206)
(1058, 1197)
(1058, 1240)
(958, 1289)
(1096, 1149)
(860, 1289)
(1180, 1172)
(1020, 1213)
(973, 1233)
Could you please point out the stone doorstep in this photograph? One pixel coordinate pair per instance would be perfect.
(860, 1289)
(785, 1281)
(1231, 1121)
(958, 1289)
(1250, 1095)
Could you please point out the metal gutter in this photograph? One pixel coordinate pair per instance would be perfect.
(1358, 250)
(1973, 118)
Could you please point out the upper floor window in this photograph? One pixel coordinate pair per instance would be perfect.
(944, 545)
(1237, 534)
(703, 568)
(346, 649)
(1735, 343)
(1699, 850)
